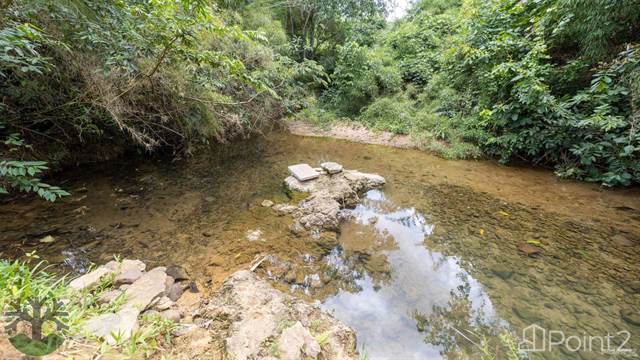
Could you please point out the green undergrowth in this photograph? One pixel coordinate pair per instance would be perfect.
(22, 282)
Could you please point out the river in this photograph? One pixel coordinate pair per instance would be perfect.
(428, 267)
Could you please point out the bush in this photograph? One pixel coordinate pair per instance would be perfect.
(389, 114)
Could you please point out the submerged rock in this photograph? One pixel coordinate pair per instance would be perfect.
(631, 316)
(108, 296)
(622, 240)
(529, 250)
(254, 235)
(284, 209)
(177, 272)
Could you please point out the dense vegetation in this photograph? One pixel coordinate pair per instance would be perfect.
(551, 82)
(87, 80)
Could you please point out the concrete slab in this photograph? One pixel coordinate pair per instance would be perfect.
(303, 172)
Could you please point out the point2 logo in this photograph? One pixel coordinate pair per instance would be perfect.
(535, 338)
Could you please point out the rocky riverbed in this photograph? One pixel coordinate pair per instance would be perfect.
(245, 319)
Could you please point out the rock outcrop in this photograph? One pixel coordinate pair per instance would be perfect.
(328, 195)
(262, 322)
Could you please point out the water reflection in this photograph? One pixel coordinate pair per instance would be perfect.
(407, 289)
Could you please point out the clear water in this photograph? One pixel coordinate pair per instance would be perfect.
(419, 280)
(429, 267)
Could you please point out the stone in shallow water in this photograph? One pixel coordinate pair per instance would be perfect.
(266, 203)
(529, 250)
(331, 167)
(631, 316)
(284, 209)
(254, 235)
(303, 172)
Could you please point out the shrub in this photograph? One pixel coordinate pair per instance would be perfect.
(389, 114)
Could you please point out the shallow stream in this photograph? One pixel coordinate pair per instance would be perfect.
(428, 267)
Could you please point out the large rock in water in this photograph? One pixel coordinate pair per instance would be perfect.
(328, 194)
(256, 313)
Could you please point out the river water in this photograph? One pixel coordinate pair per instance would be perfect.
(428, 267)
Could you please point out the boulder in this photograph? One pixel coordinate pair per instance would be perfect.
(88, 281)
(163, 303)
(175, 291)
(171, 314)
(328, 195)
(127, 265)
(91, 279)
(266, 203)
(146, 289)
(331, 167)
(105, 326)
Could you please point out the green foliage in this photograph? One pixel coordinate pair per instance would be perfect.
(360, 76)
(530, 80)
(21, 281)
(22, 175)
(316, 27)
(163, 75)
(389, 114)
(18, 49)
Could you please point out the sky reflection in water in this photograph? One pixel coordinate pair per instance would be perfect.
(420, 280)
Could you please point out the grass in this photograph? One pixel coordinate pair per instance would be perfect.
(21, 281)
